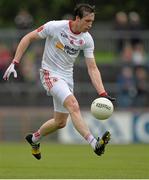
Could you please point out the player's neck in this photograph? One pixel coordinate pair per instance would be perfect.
(74, 27)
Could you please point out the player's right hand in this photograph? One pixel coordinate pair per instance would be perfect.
(10, 69)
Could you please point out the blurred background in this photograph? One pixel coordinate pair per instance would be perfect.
(121, 34)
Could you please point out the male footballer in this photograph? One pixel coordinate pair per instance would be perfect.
(63, 41)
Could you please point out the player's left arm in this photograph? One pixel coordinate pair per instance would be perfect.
(95, 75)
(96, 78)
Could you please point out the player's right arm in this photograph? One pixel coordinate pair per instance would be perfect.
(22, 47)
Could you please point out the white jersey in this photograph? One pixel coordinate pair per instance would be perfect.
(62, 47)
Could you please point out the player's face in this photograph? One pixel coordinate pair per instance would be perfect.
(85, 23)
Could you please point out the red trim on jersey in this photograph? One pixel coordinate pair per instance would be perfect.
(70, 27)
(40, 28)
(47, 79)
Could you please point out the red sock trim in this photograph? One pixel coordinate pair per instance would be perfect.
(37, 134)
(86, 137)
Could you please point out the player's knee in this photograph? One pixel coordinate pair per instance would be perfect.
(72, 104)
(61, 124)
(74, 107)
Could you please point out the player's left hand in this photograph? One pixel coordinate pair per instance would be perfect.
(10, 69)
(105, 94)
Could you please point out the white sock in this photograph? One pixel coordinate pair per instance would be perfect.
(91, 140)
(36, 137)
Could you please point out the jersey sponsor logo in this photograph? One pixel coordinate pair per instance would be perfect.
(66, 48)
(59, 45)
(70, 50)
(40, 28)
(63, 34)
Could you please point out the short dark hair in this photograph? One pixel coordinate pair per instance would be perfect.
(81, 9)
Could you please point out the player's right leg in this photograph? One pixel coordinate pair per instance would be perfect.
(58, 122)
(53, 86)
(35, 146)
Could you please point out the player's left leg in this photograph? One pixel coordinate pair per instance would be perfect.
(79, 123)
(101, 143)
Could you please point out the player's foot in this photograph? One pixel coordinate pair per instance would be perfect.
(101, 143)
(35, 147)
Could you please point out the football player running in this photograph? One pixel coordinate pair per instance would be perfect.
(64, 40)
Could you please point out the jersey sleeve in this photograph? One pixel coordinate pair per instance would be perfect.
(47, 29)
(89, 47)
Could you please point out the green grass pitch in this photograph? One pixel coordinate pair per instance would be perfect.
(74, 162)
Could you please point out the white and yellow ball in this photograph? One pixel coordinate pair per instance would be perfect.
(102, 108)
